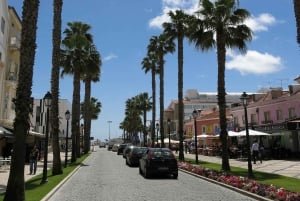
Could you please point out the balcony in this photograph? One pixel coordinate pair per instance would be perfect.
(14, 43)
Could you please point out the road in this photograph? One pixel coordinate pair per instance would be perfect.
(105, 177)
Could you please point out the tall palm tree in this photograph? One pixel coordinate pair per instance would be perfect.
(15, 189)
(161, 45)
(57, 9)
(221, 24)
(149, 63)
(176, 29)
(73, 62)
(297, 15)
(91, 74)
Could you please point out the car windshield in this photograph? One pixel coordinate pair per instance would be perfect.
(162, 153)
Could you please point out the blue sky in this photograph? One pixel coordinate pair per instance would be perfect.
(122, 30)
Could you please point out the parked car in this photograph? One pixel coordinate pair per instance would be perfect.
(102, 144)
(109, 146)
(121, 148)
(156, 161)
(127, 149)
(134, 155)
(115, 147)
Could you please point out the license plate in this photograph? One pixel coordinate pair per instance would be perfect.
(163, 168)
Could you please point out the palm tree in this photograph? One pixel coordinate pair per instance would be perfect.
(91, 74)
(15, 189)
(144, 104)
(73, 62)
(57, 9)
(177, 29)
(161, 45)
(297, 15)
(221, 25)
(149, 63)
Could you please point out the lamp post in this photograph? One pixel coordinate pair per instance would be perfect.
(47, 103)
(157, 129)
(169, 130)
(109, 122)
(195, 114)
(244, 98)
(67, 115)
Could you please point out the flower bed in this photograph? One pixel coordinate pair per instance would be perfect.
(264, 190)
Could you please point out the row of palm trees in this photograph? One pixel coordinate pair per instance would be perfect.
(135, 119)
(217, 25)
(74, 55)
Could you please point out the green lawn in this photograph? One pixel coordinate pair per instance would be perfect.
(34, 191)
(289, 183)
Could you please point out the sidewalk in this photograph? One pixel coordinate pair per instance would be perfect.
(289, 168)
(4, 172)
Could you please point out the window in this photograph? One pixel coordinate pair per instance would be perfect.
(292, 113)
(253, 119)
(267, 116)
(2, 25)
(279, 115)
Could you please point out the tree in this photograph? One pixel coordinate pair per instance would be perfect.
(73, 61)
(220, 25)
(91, 74)
(15, 189)
(176, 29)
(144, 105)
(297, 15)
(149, 63)
(161, 45)
(57, 9)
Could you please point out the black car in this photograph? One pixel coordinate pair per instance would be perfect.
(127, 149)
(134, 155)
(157, 161)
(121, 148)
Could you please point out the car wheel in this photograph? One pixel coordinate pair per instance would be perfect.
(175, 175)
(140, 170)
(126, 161)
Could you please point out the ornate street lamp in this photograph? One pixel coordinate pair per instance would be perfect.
(195, 114)
(157, 129)
(67, 115)
(47, 103)
(244, 98)
(169, 130)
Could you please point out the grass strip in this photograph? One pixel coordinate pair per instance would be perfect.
(35, 191)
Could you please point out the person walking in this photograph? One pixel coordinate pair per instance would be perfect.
(34, 155)
(261, 152)
(255, 151)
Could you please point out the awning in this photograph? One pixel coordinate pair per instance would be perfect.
(4, 131)
(33, 133)
(253, 133)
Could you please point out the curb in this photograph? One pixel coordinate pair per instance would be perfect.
(244, 192)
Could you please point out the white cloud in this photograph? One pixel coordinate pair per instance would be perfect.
(261, 22)
(110, 57)
(254, 62)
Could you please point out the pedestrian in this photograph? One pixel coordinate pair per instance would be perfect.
(34, 155)
(255, 151)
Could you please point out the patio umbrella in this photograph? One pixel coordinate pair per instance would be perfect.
(253, 133)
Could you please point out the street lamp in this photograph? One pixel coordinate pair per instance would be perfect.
(67, 115)
(195, 114)
(109, 122)
(244, 98)
(47, 103)
(169, 130)
(157, 129)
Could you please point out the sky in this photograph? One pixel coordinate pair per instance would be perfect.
(122, 30)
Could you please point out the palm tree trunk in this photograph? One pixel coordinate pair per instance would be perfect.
(161, 99)
(153, 72)
(23, 103)
(297, 15)
(180, 96)
(57, 167)
(87, 116)
(221, 53)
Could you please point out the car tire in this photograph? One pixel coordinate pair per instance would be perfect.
(140, 170)
(175, 175)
